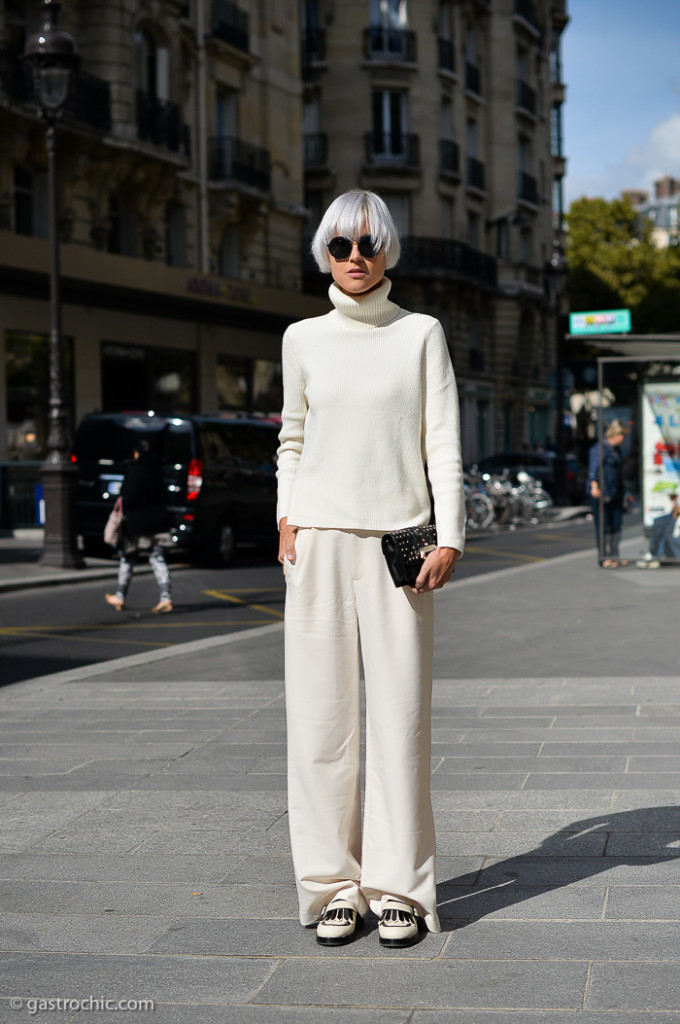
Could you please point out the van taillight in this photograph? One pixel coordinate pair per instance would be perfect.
(194, 479)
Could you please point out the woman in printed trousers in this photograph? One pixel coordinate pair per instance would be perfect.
(370, 414)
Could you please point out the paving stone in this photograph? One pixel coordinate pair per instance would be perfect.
(585, 870)
(548, 822)
(531, 1017)
(272, 869)
(534, 765)
(581, 802)
(174, 979)
(417, 984)
(634, 748)
(479, 781)
(640, 986)
(281, 939)
(36, 896)
(217, 901)
(213, 781)
(464, 821)
(218, 841)
(654, 764)
(603, 780)
(559, 940)
(71, 933)
(513, 901)
(644, 844)
(119, 868)
(444, 749)
(507, 844)
(181, 1014)
(643, 903)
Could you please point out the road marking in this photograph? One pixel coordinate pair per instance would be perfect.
(224, 595)
(499, 553)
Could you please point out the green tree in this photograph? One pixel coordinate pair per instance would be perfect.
(614, 263)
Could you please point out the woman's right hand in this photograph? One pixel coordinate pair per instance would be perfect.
(287, 541)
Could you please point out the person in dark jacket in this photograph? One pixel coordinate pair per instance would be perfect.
(608, 492)
(143, 496)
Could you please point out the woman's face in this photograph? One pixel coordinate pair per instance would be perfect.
(358, 274)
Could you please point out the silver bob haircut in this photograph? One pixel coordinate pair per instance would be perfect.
(346, 216)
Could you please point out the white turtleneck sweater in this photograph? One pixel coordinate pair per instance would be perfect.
(369, 399)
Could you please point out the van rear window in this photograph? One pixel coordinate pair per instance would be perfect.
(114, 440)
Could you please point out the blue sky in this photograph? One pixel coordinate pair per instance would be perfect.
(621, 65)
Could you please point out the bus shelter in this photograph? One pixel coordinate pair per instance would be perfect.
(659, 414)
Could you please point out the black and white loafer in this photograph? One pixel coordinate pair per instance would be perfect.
(398, 924)
(339, 921)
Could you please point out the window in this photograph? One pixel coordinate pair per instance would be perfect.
(446, 20)
(141, 377)
(253, 385)
(389, 13)
(229, 252)
(390, 124)
(525, 246)
(473, 230)
(27, 377)
(122, 237)
(174, 235)
(503, 240)
(523, 74)
(226, 119)
(153, 65)
(446, 119)
(472, 139)
(400, 208)
(447, 217)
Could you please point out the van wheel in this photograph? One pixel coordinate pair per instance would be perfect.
(225, 545)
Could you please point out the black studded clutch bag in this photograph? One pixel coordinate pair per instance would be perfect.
(404, 551)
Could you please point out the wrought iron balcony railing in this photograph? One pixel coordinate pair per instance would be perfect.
(395, 149)
(315, 149)
(230, 23)
(476, 177)
(230, 158)
(431, 255)
(527, 188)
(449, 157)
(158, 122)
(389, 44)
(473, 78)
(525, 97)
(447, 55)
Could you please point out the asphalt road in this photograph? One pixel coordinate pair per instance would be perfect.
(54, 629)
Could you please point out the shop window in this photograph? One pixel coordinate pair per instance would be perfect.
(27, 377)
(249, 385)
(140, 377)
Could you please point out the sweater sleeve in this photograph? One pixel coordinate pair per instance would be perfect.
(441, 440)
(292, 434)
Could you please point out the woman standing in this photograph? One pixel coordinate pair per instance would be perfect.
(143, 496)
(369, 402)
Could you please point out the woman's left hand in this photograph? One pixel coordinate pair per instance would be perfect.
(437, 570)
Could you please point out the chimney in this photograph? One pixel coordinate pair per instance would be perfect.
(666, 187)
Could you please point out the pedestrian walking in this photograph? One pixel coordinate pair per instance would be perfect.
(608, 493)
(143, 498)
(370, 413)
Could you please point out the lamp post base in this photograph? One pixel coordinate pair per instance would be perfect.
(60, 548)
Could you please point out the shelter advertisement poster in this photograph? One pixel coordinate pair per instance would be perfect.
(660, 447)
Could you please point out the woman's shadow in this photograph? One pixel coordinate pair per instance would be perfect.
(579, 851)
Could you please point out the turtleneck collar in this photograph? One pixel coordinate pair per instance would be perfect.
(373, 309)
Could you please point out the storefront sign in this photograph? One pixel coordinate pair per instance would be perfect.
(660, 447)
(212, 289)
(605, 321)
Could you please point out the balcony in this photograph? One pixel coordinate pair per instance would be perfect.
(473, 78)
(231, 159)
(445, 255)
(525, 97)
(313, 50)
(389, 45)
(476, 177)
(315, 151)
(527, 188)
(449, 157)
(89, 102)
(395, 150)
(158, 122)
(447, 56)
(230, 24)
(526, 11)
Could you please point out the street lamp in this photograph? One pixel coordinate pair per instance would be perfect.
(558, 268)
(52, 58)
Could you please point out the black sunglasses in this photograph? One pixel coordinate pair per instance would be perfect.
(340, 247)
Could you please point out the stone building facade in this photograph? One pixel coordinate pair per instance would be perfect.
(196, 154)
(452, 111)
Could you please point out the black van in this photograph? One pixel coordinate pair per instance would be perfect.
(220, 474)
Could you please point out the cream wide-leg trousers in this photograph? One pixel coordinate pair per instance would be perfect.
(340, 599)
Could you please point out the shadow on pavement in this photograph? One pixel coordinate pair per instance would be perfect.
(634, 838)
